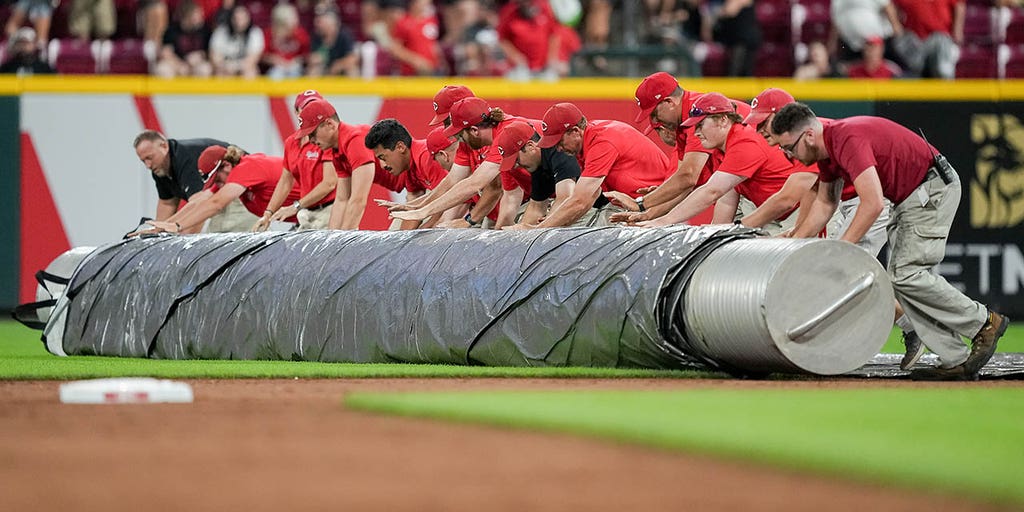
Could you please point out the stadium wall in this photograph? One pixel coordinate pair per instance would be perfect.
(68, 165)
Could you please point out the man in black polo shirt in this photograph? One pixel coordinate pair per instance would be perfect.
(175, 167)
(543, 174)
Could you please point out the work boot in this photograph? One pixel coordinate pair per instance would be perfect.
(914, 349)
(984, 343)
(958, 372)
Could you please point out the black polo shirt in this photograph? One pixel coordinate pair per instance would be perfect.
(184, 179)
(554, 167)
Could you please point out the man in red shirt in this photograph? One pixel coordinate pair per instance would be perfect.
(933, 33)
(313, 176)
(614, 156)
(445, 98)
(406, 164)
(663, 103)
(887, 161)
(341, 144)
(748, 167)
(230, 174)
(477, 162)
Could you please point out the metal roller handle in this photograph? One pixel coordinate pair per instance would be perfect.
(863, 285)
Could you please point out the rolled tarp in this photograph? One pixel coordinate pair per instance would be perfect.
(707, 297)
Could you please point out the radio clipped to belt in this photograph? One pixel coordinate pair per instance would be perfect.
(940, 164)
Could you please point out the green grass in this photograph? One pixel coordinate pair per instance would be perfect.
(22, 356)
(960, 440)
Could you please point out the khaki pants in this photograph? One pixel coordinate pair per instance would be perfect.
(233, 218)
(873, 240)
(598, 217)
(917, 233)
(314, 219)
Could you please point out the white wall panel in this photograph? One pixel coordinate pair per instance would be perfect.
(84, 143)
(241, 120)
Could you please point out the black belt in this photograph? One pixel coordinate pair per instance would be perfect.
(934, 172)
(320, 206)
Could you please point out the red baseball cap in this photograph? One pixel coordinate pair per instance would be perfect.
(437, 141)
(512, 138)
(557, 120)
(706, 105)
(465, 113)
(210, 160)
(305, 97)
(874, 40)
(652, 91)
(765, 104)
(314, 113)
(445, 98)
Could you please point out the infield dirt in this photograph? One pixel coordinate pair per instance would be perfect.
(261, 445)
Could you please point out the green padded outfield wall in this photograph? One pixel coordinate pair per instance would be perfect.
(10, 192)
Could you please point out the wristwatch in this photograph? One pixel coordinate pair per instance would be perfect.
(640, 203)
(297, 205)
(469, 218)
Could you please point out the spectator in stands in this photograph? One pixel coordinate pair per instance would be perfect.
(874, 64)
(818, 65)
(39, 12)
(92, 19)
(23, 55)
(597, 19)
(930, 45)
(151, 20)
(529, 35)
(287, 43)
(236, 46)
(184, 52)
(733, 23)
(333, 47)
(414, 39)
(857, 20)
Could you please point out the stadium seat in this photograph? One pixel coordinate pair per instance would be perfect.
(127, 21)
(774, 16)
(74, 57)
(980, 24)
(811, 20)
(712, 58)
(774, 59)
(977, 61)
(351, 15)
(1011, 25)
(126, 56)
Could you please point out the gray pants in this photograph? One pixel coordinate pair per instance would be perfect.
(937, 54)
(874, 239)
(314, 219)
(232, 219)
(917, 232)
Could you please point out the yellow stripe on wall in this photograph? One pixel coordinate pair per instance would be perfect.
(576, 88)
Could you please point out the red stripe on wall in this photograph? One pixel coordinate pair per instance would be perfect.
(147, 114)
(283, 117)
(43, 237)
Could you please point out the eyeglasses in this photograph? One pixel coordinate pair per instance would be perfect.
(696, 111)
(212, 172)
(791, 149)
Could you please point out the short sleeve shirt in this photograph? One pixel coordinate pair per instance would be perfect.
(352, 152)
(184, 179)
(765, 168)
(305, 162)
(259, 174)
(555, 166)
(627, 159)
(900, 157)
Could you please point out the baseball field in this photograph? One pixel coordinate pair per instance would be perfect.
(273, 435)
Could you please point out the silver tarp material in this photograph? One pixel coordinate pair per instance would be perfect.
(573, 297)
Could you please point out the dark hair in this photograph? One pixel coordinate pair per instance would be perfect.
(793, 117)
(387, 133)
(493, 117)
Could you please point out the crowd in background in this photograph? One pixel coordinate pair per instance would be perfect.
(522, 39)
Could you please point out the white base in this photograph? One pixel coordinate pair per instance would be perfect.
(136, 390)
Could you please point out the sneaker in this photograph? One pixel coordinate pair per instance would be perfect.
(984, 343)
(958, 372)
(914, 350)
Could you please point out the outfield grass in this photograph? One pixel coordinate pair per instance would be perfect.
(22, 356)
(959, 440)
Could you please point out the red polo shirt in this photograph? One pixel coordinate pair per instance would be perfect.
(531, 36)
(900, 156)
(424, 173)
(352, 152)
(923, 17)
(418, 35)
(624, 157)
(259, 174)
(765, 168)
(306, 164)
